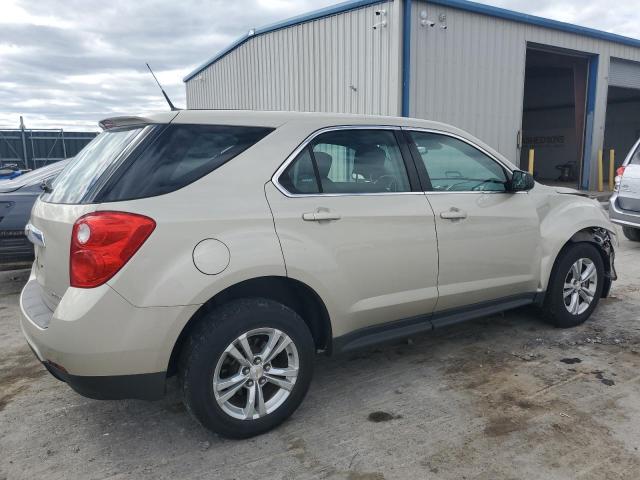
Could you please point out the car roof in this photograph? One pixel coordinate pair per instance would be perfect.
(278, 118)
(268, 118)
(275, 119)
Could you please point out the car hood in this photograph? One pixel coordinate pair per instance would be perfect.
(570, 191)
(10, 187)
(32, 178)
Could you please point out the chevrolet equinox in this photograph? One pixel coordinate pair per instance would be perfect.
(228, 247)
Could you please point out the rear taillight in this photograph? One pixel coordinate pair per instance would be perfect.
(102, 243)
(618, 179)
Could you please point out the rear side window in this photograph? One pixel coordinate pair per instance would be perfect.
(348, 162)
(300, 176)
(178, 156)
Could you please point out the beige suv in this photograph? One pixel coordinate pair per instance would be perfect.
(229, 247)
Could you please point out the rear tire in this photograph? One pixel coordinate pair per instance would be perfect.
(631, 233)
(575, 286)
(215, 364)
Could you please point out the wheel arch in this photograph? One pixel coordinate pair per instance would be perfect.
(294, 294)
(601, 238)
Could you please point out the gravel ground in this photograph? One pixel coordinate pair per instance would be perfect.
(503, 397)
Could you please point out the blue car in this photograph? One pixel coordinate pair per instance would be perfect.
(16, 199)
(8, 173)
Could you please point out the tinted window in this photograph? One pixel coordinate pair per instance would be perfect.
(80, 179)
(454, 165)
(349, 162)
(178, 156)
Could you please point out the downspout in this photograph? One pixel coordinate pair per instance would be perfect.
(406, 56)
(592, 82)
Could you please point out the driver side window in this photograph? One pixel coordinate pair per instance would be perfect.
(455, 166)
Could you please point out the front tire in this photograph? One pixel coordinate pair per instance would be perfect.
(631, 233)
(575, 286)
(246, 367)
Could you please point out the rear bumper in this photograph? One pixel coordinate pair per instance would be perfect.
(620, 216)
(100, 344)
(146, 386)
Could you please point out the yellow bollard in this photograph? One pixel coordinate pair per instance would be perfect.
(532, 156)
(600, 187)
(612, 162)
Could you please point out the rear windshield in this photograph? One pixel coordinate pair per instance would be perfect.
(80, 180)
(635, 159)
(133, 163)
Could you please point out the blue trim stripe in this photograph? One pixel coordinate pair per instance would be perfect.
(308, 17)
(406, 57)
(535, 20)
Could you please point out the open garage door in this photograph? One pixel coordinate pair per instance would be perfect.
(624, 74)
(622, 127)
(554, 114)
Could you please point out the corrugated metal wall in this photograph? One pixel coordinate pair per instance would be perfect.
(624, 74)
(471, 74)
(337, 64)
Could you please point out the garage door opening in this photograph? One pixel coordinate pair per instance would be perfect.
(553, 119)
(622, 128)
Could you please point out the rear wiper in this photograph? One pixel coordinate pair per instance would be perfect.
(46, 186)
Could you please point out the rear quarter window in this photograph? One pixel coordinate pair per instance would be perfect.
(178, 156)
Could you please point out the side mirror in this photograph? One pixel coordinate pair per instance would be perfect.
(521, 181)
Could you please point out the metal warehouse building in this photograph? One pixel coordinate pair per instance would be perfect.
(516, 81)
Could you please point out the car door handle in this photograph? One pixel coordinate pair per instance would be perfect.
(453, 214)
(320, 215)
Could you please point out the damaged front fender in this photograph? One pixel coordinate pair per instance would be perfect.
(604, 240)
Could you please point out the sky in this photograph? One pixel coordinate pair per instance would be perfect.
(69, 63)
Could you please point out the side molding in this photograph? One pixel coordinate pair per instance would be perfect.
(368, 336)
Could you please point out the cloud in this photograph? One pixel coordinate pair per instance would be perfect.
(69, 63)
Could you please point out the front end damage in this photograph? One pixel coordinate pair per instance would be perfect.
(602, 238)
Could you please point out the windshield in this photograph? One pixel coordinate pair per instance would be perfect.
(81, 178)
(34, 177)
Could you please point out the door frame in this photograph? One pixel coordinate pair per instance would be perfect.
(584, 163)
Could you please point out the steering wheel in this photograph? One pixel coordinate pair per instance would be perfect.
(388, 183)
(481, 185)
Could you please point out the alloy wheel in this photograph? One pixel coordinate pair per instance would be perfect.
(580, 286)
(256, 373)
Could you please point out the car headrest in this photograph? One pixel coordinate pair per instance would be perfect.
(369, 162)
(324, 161)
